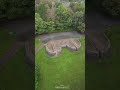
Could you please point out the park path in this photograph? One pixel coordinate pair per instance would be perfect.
(39, 47)
(10, 53)
(61, 35)
(56, 36)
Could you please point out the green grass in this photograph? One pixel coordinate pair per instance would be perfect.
(6, 40)
(17, 75)
(68, 69)
(37, 42)
(106, 75)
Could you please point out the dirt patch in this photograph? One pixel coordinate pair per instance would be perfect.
(54, 47)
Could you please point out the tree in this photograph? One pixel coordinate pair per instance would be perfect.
(64, 18)
(50, 26)
(112, 7)
(43, 26)
(78, 22)
(16, 8)
(78, 17)
(77, 6)
(41, 10)
(39, 24)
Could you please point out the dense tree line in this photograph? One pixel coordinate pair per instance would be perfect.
(110, 7)
(16, 8)
(65, 18)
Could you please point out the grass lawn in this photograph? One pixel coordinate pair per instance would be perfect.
(106, 75)
(68, 69)
(37, 42)
(6, 40)
(17, 75)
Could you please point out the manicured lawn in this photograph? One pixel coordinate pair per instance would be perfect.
(17, 75)
(106, 75)
(68, 69)
(6, 40)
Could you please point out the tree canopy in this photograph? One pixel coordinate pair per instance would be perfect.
(56, 17)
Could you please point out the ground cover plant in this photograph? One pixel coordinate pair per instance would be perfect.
(68, 69)
(106, 74)
(7, 39)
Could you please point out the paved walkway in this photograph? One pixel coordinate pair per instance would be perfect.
(40, 47)
(61, 35)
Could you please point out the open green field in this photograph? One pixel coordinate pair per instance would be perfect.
(17, 75)
(106, 75)
(6, 40)
(68, 69)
